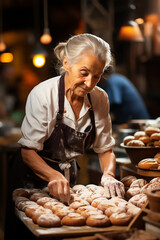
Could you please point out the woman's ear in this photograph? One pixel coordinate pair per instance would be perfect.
(65, 64)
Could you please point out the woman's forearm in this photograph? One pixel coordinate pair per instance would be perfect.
(38, 165)
(107, 162)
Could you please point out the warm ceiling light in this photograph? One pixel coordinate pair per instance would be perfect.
(46, 37)
(130, 32)
(2, 45)
(39, 60)
(6, 57)
(139, 21)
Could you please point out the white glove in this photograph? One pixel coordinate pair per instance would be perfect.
(112, 186)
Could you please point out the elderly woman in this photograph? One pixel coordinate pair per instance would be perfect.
(65, 116)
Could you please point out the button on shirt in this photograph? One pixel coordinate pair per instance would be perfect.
(41, 110)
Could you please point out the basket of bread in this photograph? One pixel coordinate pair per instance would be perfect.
(144, 145)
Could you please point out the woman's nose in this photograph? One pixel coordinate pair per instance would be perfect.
(88, 82)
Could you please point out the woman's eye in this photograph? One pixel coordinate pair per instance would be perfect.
(83, 73)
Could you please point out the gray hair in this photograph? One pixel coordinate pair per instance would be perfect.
(76, 45)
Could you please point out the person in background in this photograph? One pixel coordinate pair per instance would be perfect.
(126, 102)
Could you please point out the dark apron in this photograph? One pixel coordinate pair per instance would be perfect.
(62, 139)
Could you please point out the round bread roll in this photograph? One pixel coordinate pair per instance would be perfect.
(76, 205)
(74, 219)
(38, 212)
(155, 136)
(148, 163)
(120, 219)
(139, 134)
(156, 143)
(35, 190)
(96, 201)
(103, 205)
(98, 220)
(138, 200)
(146, 140)
(127, 180)
(62, 212)
(132, 209)
(151, 130)
(43, 200)
(157, 157)
(132, 192)
(109, 211)
(20, 199)
(20, 192)
(78, 188)
(54, 206)
(128, 139)
(84, 208)
(48, 220)
(150, 187)
(23, 204)
(92, 187)
(136, 143)
(87, 213)
(117, 201)
(157, 179)
(30, 210)
(35, 196)
(138, 183)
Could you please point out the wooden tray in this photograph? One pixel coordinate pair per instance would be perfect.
(66, 231)
(148, 172)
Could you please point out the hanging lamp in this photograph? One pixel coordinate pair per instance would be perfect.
(46, 37)
(130, 30)
(2, 43)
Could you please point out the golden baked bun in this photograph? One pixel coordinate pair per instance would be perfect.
(20, 192)
(136, 143)
(151, 130)
(155, 137)
(109, 211)
(120, 219)
(139, 134)
(157, 157)
(48, 220)
(148, 163)
(74, 219)
(38, 212)
(128, 139)
(35, 196)
(87, 213)
(43, 200)
(138, 183)
(132, 192)
(127, 180)
(29, 210)
(146, 140)
(98, 220)
(138, 200)
(156, 143)
(132, 209)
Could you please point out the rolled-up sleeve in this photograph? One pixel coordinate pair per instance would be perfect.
(35, 124)
(104, 140)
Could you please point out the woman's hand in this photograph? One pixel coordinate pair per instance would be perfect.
(112, 186)
(59, 187)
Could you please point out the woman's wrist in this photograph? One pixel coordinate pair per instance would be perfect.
(109, 173)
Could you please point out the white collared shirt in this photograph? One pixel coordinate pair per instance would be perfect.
(41, 110)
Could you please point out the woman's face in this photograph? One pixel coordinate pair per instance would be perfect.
(82, 76)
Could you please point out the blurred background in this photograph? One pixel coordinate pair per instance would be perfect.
(23, 23)
(30, 29)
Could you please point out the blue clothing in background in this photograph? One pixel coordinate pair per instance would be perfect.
(126, 102)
